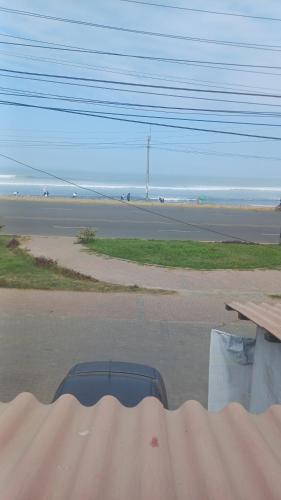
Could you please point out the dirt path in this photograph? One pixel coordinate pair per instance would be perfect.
(251, 284)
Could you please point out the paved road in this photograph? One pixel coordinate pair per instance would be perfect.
(45, 218)
(43, 333)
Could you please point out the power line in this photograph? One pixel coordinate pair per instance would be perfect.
(229, 43)
(191, 62)
(142, 85)
(129, 120)
(133, 105)
(145, 92)
(208, 143)
(128, 204)
(133, 142)
(150, 76)
(76, 147)
(217, 153)
(73, 48)
(126, 144)
(204, 11)
(178, 118)
(105, 136)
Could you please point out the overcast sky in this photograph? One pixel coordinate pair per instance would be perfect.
(95, 148)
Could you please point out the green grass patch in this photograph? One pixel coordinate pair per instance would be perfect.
(18, 269)
(191, 254)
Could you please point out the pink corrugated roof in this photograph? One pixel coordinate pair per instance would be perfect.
(66, 451)
(268, 316)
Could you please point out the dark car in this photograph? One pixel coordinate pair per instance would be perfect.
(128, 382)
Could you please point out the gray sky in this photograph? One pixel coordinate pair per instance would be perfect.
(80, 146)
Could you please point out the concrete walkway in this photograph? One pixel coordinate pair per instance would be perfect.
(243, 284)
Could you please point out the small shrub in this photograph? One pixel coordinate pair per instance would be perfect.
(44, 262)
(134, 287)
(70, 273)
(86, 235)
(13, 243)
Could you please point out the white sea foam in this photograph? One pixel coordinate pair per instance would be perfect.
(217, 188)
(6, 180)
(31, 184)
(181, 188)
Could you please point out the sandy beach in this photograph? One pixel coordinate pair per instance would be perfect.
(144, 203)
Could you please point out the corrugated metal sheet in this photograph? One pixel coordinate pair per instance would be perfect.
(267, 316)
(108, 452)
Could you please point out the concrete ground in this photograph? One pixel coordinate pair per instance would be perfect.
(43, 333)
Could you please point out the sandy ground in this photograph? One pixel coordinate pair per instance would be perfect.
(105, 201)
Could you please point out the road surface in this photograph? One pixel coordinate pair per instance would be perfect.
(112, 221)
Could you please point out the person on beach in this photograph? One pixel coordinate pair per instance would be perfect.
(74, 195)
(129, 197)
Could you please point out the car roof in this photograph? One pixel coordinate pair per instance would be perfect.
(115, 367)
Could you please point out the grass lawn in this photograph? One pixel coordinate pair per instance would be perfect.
(191, 254)
(18, 269)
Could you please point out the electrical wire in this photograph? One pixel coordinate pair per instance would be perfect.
(191, 62)
(145, 75)
(131, 105)
(216, 153)
(229, 43)
(129, 120)
(174, 118)
(62, 144)
(123, 202)
(203, 11)
(145, 92)
(135, 144)
(142, 85)
(66, 136)
(157, 107)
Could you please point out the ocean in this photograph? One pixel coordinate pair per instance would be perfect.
(237, 192)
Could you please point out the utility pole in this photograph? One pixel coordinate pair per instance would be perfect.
(147, 165)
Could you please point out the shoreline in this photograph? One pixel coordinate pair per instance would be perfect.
(81, 201)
